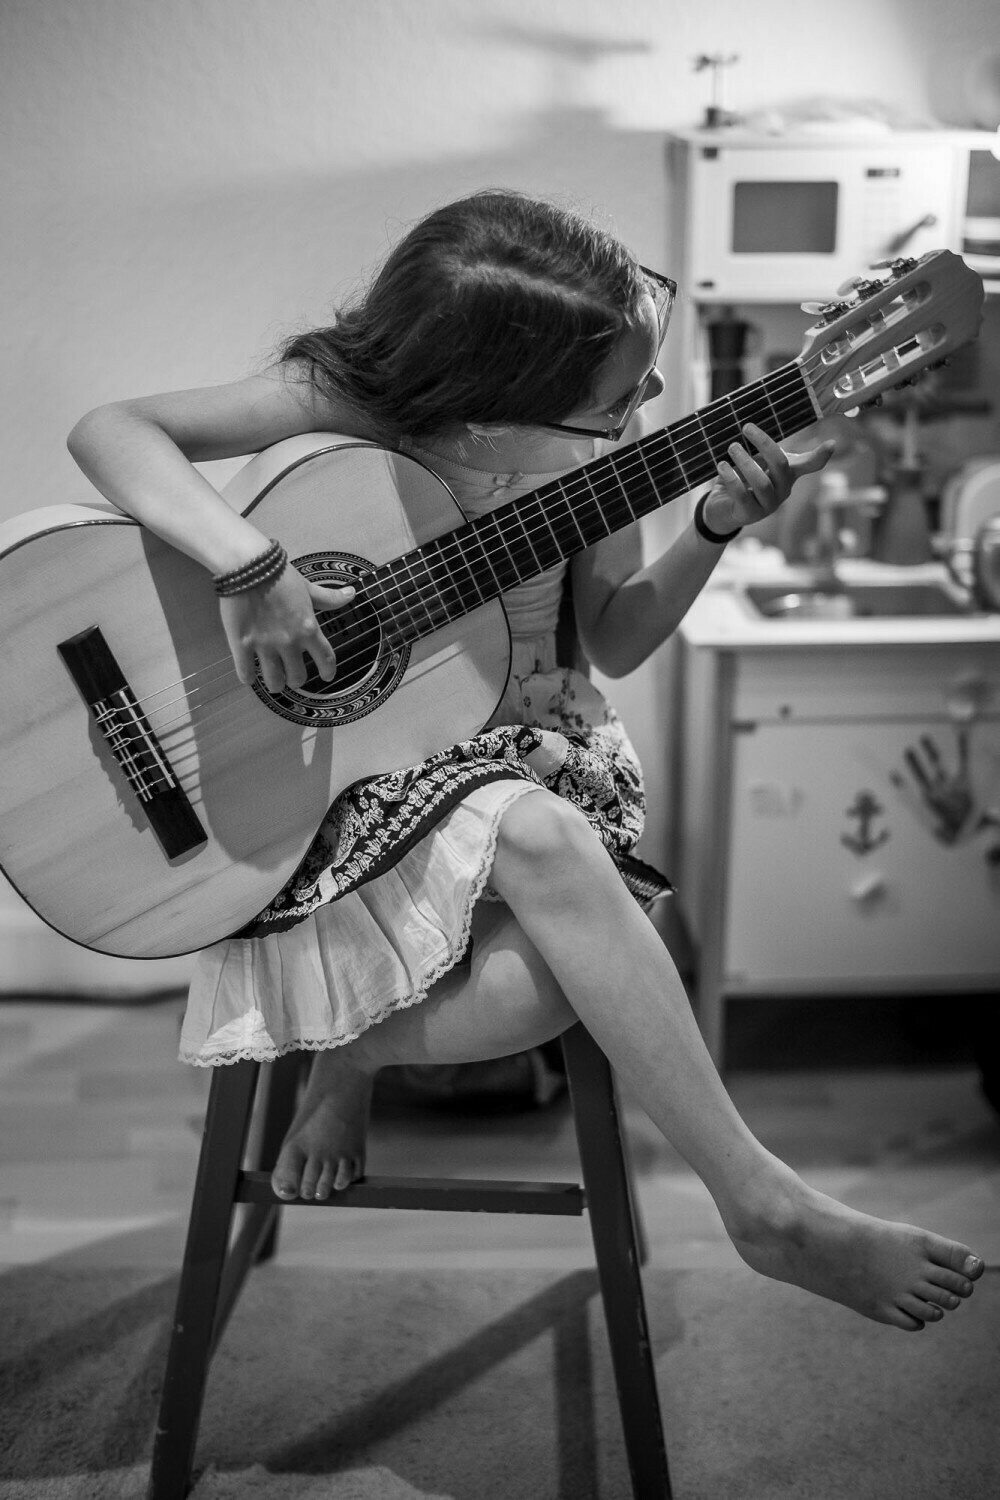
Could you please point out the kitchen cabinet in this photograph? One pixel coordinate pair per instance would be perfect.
(837, 811)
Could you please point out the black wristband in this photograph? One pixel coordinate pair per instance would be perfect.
(703, 529)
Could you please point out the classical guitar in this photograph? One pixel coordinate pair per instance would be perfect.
(151, 804)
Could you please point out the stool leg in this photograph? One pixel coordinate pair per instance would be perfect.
(226, 1122)
(609, 1203)
(279, 1108)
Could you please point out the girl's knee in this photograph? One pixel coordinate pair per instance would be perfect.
(543, 830)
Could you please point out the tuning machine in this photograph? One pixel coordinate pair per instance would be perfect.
(860, 287)
(826, 312)
(901, 265)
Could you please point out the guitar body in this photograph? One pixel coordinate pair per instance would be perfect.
(258, 775)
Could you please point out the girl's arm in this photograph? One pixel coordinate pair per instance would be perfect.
(141, 453)
(623, 610)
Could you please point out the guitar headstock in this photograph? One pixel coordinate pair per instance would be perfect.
(885, 332)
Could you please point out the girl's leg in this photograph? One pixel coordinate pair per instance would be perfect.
(579, 934)
(505, 1000)
(606, 957)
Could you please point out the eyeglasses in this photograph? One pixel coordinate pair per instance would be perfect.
(663, 291)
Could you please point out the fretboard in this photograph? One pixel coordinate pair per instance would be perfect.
(418, 592)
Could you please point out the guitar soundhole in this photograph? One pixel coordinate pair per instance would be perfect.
(356, 638)
(367, 668)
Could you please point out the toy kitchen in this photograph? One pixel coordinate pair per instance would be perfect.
(836, 786)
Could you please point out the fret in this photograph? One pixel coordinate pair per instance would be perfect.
(688, 470)
(668, 475)
(725, 423)
(393, 615)
(453, 579)
(547, 543)
(611, 491)
(501, 563)
(595, 521)
(517, 540)
(407, 609)
(476, 557)
(644, 497)
(797, 409)
(538, 530)
(754, 405)
(434, 600)
(563, 517)
(580, 506)
(418, 601)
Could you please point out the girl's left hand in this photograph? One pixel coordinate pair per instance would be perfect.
(752, 486)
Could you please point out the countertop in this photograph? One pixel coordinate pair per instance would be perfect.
(721, 618)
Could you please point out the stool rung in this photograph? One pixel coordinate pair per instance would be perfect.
(452, 1194)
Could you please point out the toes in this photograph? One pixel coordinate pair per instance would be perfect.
(286, 1177)
(959, 1259)
(327, 1179)
(349, 1169)
(929, 1291)
(311, 1174)
(904, 1320)
(948, 1281)
(916, 1307)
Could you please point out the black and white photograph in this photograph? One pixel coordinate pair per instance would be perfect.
(499, 750)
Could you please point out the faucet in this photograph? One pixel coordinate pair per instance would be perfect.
(831, 539)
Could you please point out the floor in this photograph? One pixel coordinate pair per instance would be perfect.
(99, 1132)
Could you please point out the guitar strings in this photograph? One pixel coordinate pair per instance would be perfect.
(661, 449)
(653, 458)
(635, 463)
(409, 613)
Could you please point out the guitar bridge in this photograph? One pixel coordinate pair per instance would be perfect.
(130, 738)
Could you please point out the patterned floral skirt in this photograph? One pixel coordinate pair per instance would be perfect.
(381, 905)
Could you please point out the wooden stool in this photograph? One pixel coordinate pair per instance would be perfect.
(213, 1271)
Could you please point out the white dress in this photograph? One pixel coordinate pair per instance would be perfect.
(360, 933)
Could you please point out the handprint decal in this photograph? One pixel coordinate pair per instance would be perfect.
(942, 797)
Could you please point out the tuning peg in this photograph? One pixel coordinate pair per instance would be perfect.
(827, 311)
(867, 405)
(899, 266)
(850, 285)
(863, 287)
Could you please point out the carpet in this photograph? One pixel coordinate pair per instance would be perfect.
(493, 1386)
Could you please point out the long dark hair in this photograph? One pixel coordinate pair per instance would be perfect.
(497, 308)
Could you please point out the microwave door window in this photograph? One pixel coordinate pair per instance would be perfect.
(784, 218)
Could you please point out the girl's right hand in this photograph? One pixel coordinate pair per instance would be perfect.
(275, 625)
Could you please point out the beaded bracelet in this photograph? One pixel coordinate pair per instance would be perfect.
(703, 529)
(265, 568)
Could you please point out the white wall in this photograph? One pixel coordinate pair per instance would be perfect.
(184, 183)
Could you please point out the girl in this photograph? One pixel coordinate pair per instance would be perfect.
(468, 908)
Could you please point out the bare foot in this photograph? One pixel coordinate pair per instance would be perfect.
(893, 1273)
(324, 1150)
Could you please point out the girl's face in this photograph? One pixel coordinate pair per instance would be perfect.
(630, 367)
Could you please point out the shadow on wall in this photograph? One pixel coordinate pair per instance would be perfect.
(153, 291)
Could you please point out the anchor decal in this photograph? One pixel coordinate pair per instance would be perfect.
(866, 809)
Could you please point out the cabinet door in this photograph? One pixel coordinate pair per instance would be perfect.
(864, 851)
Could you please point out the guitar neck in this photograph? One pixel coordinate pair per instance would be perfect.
(457, 572)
